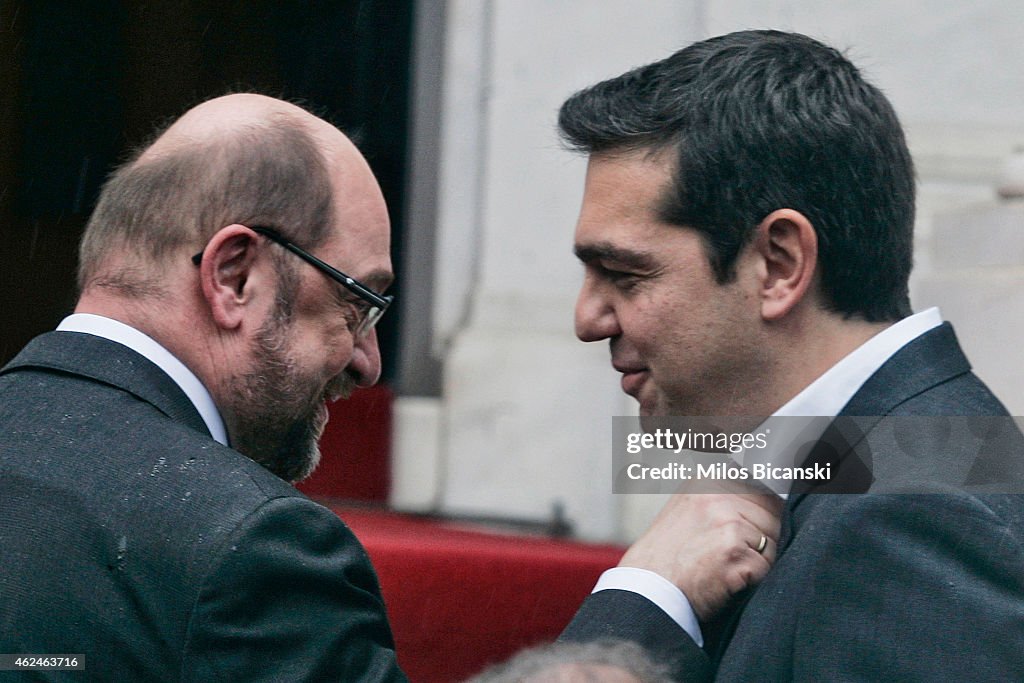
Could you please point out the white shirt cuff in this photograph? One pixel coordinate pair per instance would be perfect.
(658, 590)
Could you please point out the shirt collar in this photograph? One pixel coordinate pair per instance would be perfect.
(823, 398)
(146, 346)
(827, 395)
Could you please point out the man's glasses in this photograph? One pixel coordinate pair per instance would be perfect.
(374, 304)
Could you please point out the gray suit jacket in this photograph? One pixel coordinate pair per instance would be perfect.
(128, 535)
(919, 579)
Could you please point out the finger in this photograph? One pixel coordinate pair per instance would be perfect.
(766, 547)
(762, 520)
(753, 491)
(769, 502)
(771, 551)
(761, 544)
(759, 564)
(749, 569)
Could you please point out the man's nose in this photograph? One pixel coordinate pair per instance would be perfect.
(595, 316)
(365, 364)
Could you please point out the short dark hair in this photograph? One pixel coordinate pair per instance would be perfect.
(270, 174)
(762, 120)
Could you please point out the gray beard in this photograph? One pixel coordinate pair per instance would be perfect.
(278, 423)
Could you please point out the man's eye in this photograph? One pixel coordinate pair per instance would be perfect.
(352, 308)
(354, 313)
(351, 315)
(621, 279)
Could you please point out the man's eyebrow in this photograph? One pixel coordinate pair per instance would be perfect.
(604, 251)
(379, 280)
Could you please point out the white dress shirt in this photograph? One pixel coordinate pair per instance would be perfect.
(824, 397)
(116, 331)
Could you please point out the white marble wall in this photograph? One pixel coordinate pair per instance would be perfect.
(977, 280)
(523, 420)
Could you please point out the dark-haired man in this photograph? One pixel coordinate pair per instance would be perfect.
(746, 234)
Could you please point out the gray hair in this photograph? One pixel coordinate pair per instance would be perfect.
(551, 662)
(271, 174)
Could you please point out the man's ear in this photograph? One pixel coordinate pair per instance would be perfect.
(224, 274)
(788, 246)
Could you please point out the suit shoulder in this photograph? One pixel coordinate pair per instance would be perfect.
(291, 594)
(923, 512)
(931, 567)
(964, 394)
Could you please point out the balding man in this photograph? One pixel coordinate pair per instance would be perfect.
(131, 532)
(230, 277)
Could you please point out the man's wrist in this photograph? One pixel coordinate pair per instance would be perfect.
(659, 590)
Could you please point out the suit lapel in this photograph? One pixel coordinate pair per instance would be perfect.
(111, 363)
(931, 359)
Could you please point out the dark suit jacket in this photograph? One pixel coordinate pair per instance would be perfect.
(130, 536)
(921, 579)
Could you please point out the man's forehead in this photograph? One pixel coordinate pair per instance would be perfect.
(363, 251)
(367, 260)
(623, 200)
(362, 234)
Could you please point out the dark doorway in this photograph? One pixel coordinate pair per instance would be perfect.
(83, 82)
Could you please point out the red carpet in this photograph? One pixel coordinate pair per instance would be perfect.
(460, 598)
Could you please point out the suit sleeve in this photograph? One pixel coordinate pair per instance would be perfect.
(291, 597)
(623, 615)
(915, 588)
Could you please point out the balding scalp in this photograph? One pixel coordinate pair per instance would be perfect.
(244, 159)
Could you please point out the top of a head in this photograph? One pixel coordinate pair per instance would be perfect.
(242, 158)
(606, 660)
(756, 121)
